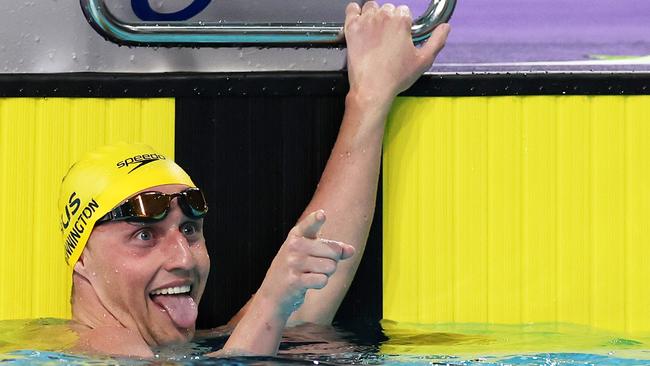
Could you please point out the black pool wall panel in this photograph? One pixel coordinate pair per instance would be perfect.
(259, 160)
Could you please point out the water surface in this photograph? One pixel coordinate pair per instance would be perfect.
(49, 342)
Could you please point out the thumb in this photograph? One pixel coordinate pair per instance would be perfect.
(434, 44)
(310, 225)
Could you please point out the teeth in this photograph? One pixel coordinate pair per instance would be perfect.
(172, 290)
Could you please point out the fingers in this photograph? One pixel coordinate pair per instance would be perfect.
(388, 8)
(370, 7)
(351, 11)
(310, 225)
(434, 44)
(404, 11)
(314, 280)
(319, 265)
(346, 250)
(308, 229)
(325, 248)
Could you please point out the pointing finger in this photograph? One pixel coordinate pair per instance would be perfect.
(310, 225)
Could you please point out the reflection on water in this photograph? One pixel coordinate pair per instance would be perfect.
(48, 342)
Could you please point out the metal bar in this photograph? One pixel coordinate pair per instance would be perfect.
(223, 34)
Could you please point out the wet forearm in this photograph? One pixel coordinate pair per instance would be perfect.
(258, 332)
(347, 193)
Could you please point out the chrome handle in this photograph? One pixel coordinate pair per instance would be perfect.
(205, 33)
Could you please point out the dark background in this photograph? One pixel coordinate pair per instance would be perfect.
(259, 160)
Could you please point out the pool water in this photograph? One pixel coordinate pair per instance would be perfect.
(48, 341)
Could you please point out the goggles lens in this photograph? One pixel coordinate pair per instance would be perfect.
(154, 206)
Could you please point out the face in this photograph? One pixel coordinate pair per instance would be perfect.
(150, 277)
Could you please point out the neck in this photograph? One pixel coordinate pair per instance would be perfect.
(87, 309)
(98, 329)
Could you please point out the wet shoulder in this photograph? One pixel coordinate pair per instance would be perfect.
(111, 341)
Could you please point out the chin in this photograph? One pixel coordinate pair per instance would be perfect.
(179, 336)
(183, 336)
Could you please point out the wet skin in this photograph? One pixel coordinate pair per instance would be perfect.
(124, 262)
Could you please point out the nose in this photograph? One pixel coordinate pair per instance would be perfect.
(178, 252)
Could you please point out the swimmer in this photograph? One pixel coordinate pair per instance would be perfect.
(132, 220)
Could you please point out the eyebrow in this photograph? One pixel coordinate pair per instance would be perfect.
(139, 224)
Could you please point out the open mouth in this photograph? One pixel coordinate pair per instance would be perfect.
(172, 290)
(178, 303)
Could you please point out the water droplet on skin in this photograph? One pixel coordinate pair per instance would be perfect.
(348, 154)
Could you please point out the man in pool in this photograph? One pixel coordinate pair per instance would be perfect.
(132, 220)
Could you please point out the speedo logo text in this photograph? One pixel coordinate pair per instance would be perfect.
(139, 161)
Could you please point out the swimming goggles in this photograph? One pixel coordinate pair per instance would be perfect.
(154, 206)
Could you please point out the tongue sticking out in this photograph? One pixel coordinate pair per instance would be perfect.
(181, 309)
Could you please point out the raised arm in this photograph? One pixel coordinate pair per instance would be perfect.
(382, 62)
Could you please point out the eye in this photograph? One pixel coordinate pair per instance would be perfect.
(190, 228)
(144, 235)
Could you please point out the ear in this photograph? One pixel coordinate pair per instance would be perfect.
(80, 266)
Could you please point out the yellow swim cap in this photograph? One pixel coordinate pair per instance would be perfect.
(101, 180)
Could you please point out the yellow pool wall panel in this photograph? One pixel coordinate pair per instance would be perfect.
(39, 139)
(512, 210)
